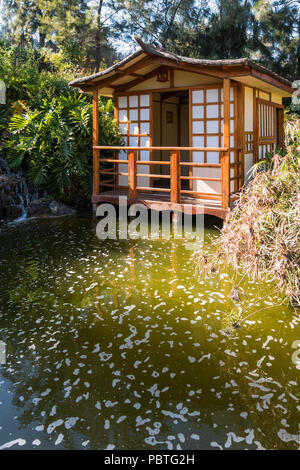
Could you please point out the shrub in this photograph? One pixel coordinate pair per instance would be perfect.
(46, 126)
(53, 144)
(262, 233)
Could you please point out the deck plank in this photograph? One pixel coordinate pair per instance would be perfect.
(156, 201)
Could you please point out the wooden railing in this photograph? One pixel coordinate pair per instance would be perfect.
(175, 177)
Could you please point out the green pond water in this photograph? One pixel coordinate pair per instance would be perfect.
(121, 345)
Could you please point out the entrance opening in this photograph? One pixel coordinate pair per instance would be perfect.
(170, 129)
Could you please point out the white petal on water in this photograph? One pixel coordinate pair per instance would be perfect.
(70, 422)
(59, 439)
(19, 442)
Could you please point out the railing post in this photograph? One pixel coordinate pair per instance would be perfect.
(175, 176)
(96, 152)
(132, 178)
(225, 179)
(225, 158)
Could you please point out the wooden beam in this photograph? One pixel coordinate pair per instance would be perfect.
(96, 152)
(119, 73)
(122, 88)
(271, 80)
(225, 159)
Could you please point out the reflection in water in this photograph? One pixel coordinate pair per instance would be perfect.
(118, 344)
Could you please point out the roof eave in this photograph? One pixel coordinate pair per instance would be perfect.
(103, 79)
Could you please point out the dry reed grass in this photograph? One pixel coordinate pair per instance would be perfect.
(262, 233)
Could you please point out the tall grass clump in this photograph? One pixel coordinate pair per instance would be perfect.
(261, 237)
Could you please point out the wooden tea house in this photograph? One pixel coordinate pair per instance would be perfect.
(191, 128)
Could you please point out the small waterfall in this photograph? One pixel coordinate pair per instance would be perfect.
(15, 195)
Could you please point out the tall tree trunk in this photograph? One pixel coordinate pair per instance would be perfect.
(42, 39)
(297, 70)
(98, 36)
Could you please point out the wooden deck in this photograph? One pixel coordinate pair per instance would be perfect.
(156, 201)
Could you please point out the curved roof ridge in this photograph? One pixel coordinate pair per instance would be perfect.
(160, 52)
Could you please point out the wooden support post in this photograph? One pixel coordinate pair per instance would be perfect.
(132, 178)
(96, 153)
(225, 157)
(240, 119)
(280, 127)
(175, 177)
(255, 127)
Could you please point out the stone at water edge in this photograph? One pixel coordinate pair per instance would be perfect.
(58, 208)
(44, 207)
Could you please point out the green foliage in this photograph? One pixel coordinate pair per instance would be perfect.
(53, 144)
(46, 125)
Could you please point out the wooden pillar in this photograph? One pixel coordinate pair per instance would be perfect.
(240, 120)
(255, 127)
(96, 153)
(225, 158)
(132, 178)
(280, 127)
(175, 176)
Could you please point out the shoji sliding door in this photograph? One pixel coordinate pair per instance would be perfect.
(134, 120)
(206, 124)
(267, 127)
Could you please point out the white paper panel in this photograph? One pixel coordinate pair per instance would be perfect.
(134, 128)
(133, 115)
(233, 181)
(143, 181)
(144, 128)
(123, 155)
(123, 129)
(197, 96)
(133, 142)
(212, 141)
(144, 100)
(212, 111)
(198, 127)
(212, 96)
(144, 114)
(198, 141)
(212, 127)
(123, 168)
(145, 155)
(122, 102)
(248, 166)
(210, 187)
(145, 141)
(212, 157)
(123, 115)
(197, 112)
(198, 157)
(133, 101)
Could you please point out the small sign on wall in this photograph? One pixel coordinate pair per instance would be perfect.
(169, 117)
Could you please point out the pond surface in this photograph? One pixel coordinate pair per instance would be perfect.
(120, 344)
